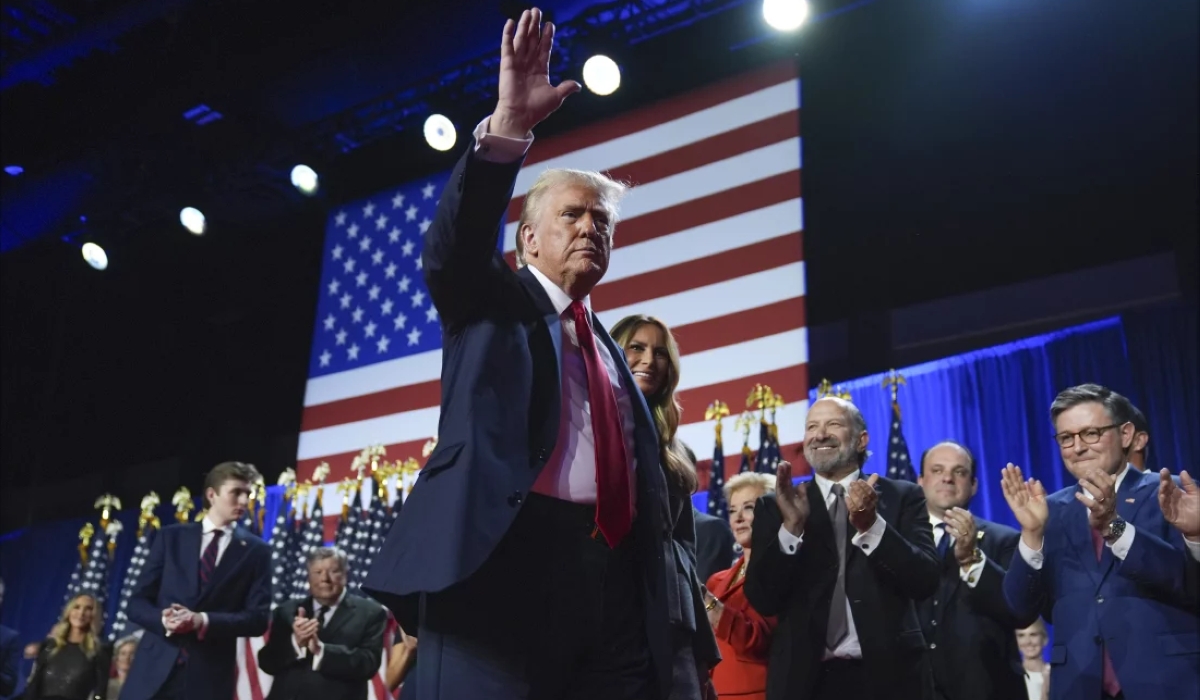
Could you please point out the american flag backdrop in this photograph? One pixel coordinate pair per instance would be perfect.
(710, 241)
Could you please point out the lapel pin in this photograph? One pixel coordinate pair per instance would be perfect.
(242, 542)
(1130, 500)
(979, 535)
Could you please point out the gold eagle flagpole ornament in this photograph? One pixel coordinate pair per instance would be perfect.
(716, 411)
(183, 504)
(85, 537)
(106, 504)
(114, 528)
(893, 380)
(147, 518)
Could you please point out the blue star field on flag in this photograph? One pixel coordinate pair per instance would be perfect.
(899, 464)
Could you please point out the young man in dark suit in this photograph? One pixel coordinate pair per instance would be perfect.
(204, 585)
(969, 630)
(327, 646)
(841, 561)
(536, 542)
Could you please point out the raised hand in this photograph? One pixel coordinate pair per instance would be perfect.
(861, 501)
(961, 524)
(1180, 506)
(1102, 506)
(304, 629)
(792, 500)
(526, 96)
(1027, 499)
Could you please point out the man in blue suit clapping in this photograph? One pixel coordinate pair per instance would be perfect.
(204, 585)
(1101, 562)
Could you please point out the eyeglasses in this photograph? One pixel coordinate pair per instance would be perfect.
(1090, 436)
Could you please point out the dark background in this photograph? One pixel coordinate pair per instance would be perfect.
(949, 147)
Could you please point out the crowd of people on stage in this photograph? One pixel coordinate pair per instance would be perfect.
(550, 550)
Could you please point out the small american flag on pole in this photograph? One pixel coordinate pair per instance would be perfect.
(899, 464)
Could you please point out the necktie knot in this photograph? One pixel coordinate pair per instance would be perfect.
(838, 490)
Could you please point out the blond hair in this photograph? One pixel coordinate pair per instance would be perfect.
(747, 480)
(61, 631)
(609, 190)
(664, 405)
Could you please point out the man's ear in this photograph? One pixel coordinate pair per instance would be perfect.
(528, 241)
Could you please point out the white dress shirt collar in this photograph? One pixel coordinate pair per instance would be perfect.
(560, 299)
(209, 526)
(826, 485)
(333, 607)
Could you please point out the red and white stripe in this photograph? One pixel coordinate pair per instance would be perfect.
(710, 241)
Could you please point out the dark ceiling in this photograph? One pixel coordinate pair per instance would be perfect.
(949, 145)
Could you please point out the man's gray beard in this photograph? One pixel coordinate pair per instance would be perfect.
(831, 467)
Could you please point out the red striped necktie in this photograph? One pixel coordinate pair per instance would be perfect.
(208, 561)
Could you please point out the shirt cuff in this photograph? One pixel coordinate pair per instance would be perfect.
(1033, 557)
(971, 575)
(317, 658)
(499, 149)
(789, 543)
(203, 626)
(301, 652)
(1120, 548)
(164, 624)
(868, 541)
(1193, 548)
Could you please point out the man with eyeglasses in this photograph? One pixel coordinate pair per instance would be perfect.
(1101, 562)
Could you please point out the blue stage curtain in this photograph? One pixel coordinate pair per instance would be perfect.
(1162, 347)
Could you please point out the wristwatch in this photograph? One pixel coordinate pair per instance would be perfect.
(1115, 529)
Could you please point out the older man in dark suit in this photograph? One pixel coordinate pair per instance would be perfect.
(970, 632)
(329, 645)
(204, 585)
(536, 541)
(841, 561)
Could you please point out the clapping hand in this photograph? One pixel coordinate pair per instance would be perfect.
(961, 524)
(304, 629)
(1027, 499)
(792, 500)
(1102, 506)
(526, 96)
(1180, 506)
(861, 501)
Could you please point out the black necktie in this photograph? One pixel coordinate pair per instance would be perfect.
(839, 625)
(321, 613)
(943, 545)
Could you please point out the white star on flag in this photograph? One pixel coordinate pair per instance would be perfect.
(352, 231)
(334, 285)
(386, 307)
(397, 201)
(365, 244)
(325, 358)
(329, 321)
(369, 330)
(381, 222)
(369, 209)
(393, 235)
(401, 319)
(427, 191)
(418, 299)
(382, 344)
(361, 280)
(431, 314)
(414, 336)
(346, 299)
(390, 271)
(348, 266)
(337, 252)
(407, 249)
(373, 293)
(425, 223)
(410, 214)
(377, 257)
(341, 337)
(403, 284)
(340, 218)
(352, 351)
(357, 315)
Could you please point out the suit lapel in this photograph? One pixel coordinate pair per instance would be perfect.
(821, 524)
(234, 553)
(345, 610)
(1133, 493)
(189, 544)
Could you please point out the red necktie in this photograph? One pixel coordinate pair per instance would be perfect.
(208, 561)
(1109, 680)
(614, 507)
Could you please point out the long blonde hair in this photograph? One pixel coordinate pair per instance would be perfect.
(61, 631)
(667, 413)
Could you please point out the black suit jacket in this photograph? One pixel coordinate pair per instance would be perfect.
(352, 642)
(882, 589)
(499, 419)
(237, 602)
(10, 661)
(970, 631)
(714, 545)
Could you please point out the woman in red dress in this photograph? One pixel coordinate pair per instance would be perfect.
(743, 635)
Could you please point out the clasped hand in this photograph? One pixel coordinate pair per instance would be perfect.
(961, 525)
(179, 620)
(304, 629)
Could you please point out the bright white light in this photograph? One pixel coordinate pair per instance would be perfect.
(192, 220)
(785, 15)
(305, 179)
(95, 256)
(439, 132)
(602, 75)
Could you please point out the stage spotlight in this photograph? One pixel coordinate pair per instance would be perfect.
(95, 256)
(192, 220)
(601, 75)
(785, 15)
(439, 132)
(305, 179)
